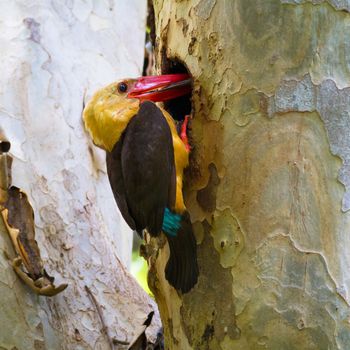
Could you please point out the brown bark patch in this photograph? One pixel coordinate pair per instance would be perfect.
(206, 197)
(207, 319)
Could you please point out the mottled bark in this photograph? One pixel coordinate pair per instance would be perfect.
(269, 185)
(54, 55)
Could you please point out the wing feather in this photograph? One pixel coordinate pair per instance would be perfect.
(115, 175)
(141, 169)
(147, 166)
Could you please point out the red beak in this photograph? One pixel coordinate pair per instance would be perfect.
(161, 88)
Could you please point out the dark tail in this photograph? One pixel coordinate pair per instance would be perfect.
(181, 270)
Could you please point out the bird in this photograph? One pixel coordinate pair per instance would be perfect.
(145, 158)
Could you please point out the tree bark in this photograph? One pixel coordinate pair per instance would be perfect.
(54, 55)
(269, 186)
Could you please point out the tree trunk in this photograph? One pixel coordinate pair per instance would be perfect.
(54, 55)
(269, 186)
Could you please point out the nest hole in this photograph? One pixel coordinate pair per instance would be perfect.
(181, 106)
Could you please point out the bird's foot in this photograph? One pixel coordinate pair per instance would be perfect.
(183, 133)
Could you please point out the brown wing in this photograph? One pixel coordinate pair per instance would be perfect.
(114, 170)
(147, 167)
(144, 182)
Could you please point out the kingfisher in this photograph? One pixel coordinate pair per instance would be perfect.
(146, 156)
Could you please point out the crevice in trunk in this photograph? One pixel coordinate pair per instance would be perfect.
(181, 106)
(150, 38)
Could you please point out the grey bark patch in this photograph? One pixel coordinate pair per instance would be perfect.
(293, 95)
(34, 28)
(339, 5)
(204, 8)
(333, 106)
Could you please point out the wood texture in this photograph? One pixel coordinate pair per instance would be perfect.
(54, 55)
(268, 191)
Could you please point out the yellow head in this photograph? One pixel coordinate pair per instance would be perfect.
(108, 113)
(111, 108)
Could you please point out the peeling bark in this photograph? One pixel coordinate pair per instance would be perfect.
(54, 55)
(342, 5)
(269, 197)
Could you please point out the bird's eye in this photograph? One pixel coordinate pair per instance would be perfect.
(122, 87)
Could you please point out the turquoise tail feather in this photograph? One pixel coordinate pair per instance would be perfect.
(171, 223)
